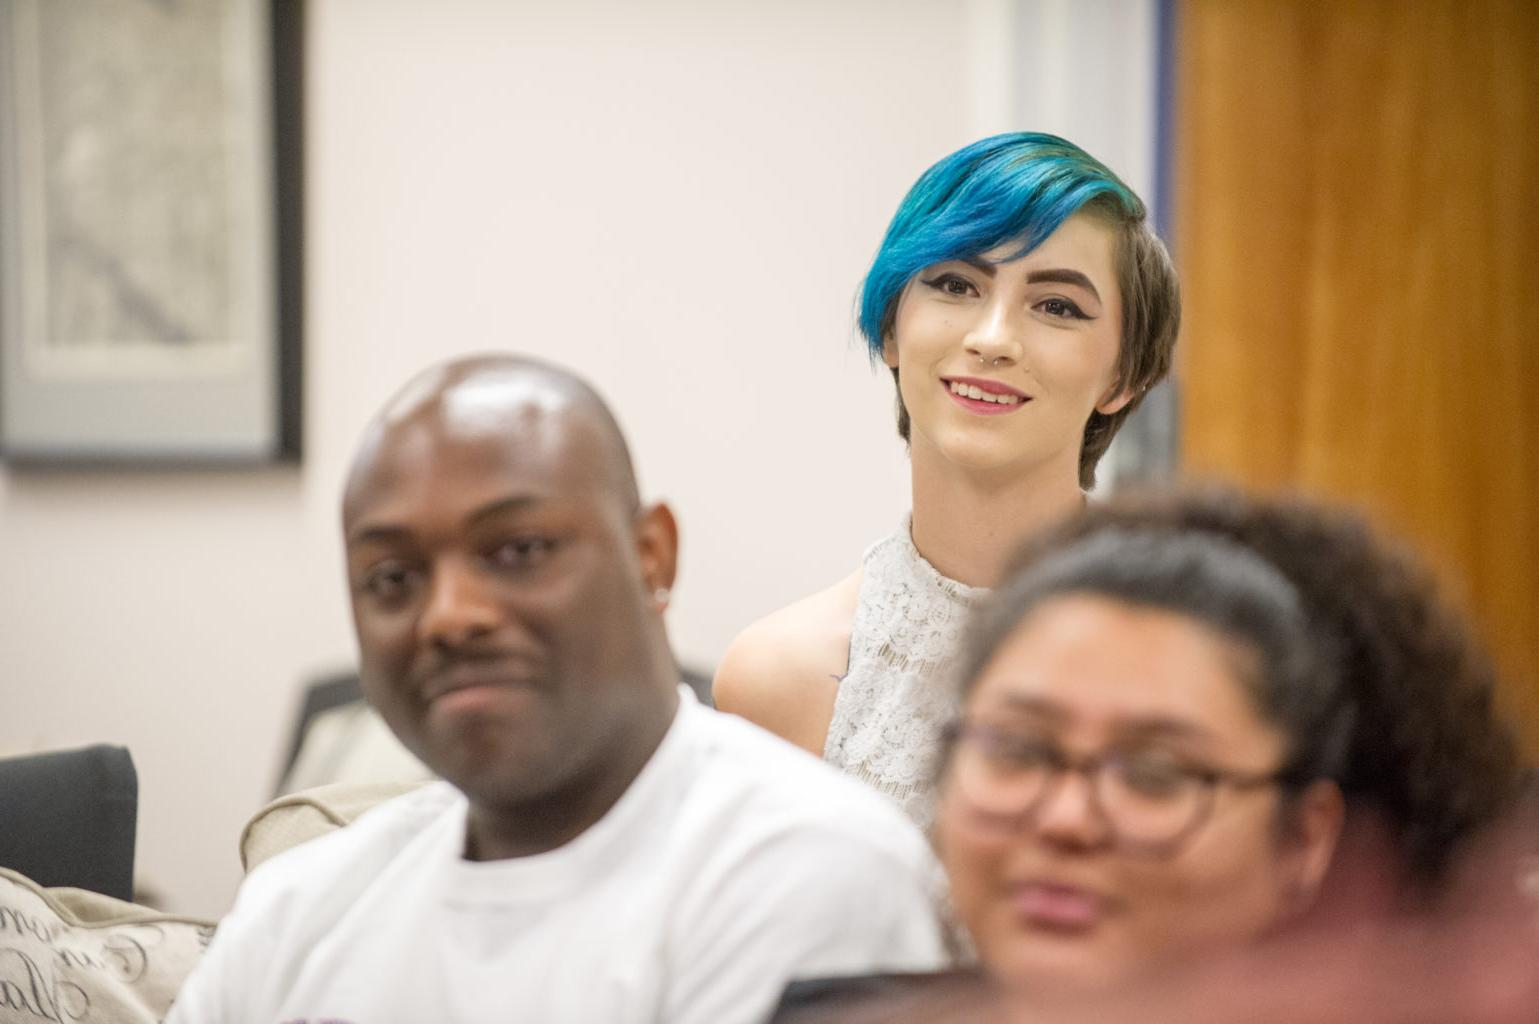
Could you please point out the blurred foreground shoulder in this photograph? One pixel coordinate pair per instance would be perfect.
(783, 672)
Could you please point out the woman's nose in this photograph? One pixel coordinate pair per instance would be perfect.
(1070, 815)
(993, 338)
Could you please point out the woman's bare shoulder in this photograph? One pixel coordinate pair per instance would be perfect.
(783, 671)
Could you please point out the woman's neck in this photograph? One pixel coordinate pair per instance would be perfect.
(967, 525)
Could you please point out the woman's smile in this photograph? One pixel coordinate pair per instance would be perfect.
(1044, 905)
(985, 397)
(984, 330)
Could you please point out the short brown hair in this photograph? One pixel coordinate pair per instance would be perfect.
(1151, 319)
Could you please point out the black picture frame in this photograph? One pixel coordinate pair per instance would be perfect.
(186, 350)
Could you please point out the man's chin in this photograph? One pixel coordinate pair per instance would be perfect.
(505, 779)
(491, 757)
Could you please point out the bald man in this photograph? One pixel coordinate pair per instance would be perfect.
(603, 849)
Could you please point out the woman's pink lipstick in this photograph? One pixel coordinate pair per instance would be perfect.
(985, 397)
(1063, 908)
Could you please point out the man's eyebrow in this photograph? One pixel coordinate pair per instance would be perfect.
(502, 506)
(384, 533)
(1062, 275)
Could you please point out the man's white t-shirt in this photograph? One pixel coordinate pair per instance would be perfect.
(733, 864)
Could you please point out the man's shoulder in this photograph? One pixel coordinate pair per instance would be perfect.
(764, 785)
(346, 859)
(789, 868)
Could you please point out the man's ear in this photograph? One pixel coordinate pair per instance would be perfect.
(657, 544)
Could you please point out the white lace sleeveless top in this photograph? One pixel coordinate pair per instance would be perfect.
(896, 696)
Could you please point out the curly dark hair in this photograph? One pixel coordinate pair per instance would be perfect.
(1426, 746)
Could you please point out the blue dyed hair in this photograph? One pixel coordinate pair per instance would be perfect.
(1018, 188)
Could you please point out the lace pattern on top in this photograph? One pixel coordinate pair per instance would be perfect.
(895, 696)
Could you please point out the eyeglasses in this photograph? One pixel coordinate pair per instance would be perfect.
(1151, 802)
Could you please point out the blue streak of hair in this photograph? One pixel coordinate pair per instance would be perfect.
(1019, 186)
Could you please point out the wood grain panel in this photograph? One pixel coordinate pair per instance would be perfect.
(1358, 232)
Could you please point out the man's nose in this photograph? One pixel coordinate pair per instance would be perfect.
(460, 605)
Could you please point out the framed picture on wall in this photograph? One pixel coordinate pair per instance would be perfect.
(150, 218)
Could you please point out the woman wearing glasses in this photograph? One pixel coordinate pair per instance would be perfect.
(1167, 712)
(1147, 763)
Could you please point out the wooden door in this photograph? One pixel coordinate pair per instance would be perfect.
(1357, 224)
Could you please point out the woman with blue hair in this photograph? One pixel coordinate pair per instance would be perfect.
(1024, 307)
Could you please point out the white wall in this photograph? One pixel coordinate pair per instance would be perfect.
(674, 198)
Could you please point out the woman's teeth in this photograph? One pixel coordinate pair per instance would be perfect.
(980, 395)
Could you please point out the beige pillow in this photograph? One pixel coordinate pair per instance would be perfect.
(69, 955)
(300, 817)
(350, 743)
